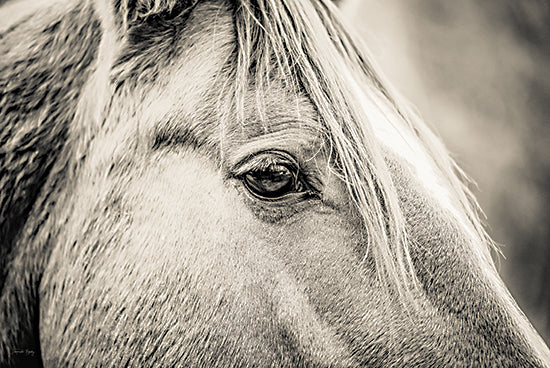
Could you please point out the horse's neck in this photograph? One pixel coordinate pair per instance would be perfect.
(44, 62)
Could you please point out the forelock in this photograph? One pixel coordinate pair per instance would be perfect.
(305, 44)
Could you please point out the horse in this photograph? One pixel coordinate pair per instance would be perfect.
(231, 183)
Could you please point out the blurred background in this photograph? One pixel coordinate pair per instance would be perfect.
(479, 73)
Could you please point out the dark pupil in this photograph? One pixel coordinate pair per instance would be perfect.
(271, 182)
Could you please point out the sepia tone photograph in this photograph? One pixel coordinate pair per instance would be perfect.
(274, 183)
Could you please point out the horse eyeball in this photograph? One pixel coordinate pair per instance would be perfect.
(272, 182)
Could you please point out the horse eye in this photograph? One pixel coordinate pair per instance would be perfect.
(273, 181)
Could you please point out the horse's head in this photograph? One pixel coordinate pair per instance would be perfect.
(230, 183)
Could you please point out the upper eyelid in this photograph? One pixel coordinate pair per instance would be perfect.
(251, 162)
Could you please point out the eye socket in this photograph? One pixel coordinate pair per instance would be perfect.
(272, 176)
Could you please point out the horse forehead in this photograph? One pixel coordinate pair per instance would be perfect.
(184, 96)
(193, 99)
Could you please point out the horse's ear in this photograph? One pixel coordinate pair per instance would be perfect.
(121, 15)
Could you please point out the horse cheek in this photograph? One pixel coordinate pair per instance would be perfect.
(167, 263)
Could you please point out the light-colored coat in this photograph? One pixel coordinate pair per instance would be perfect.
(140, 142)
